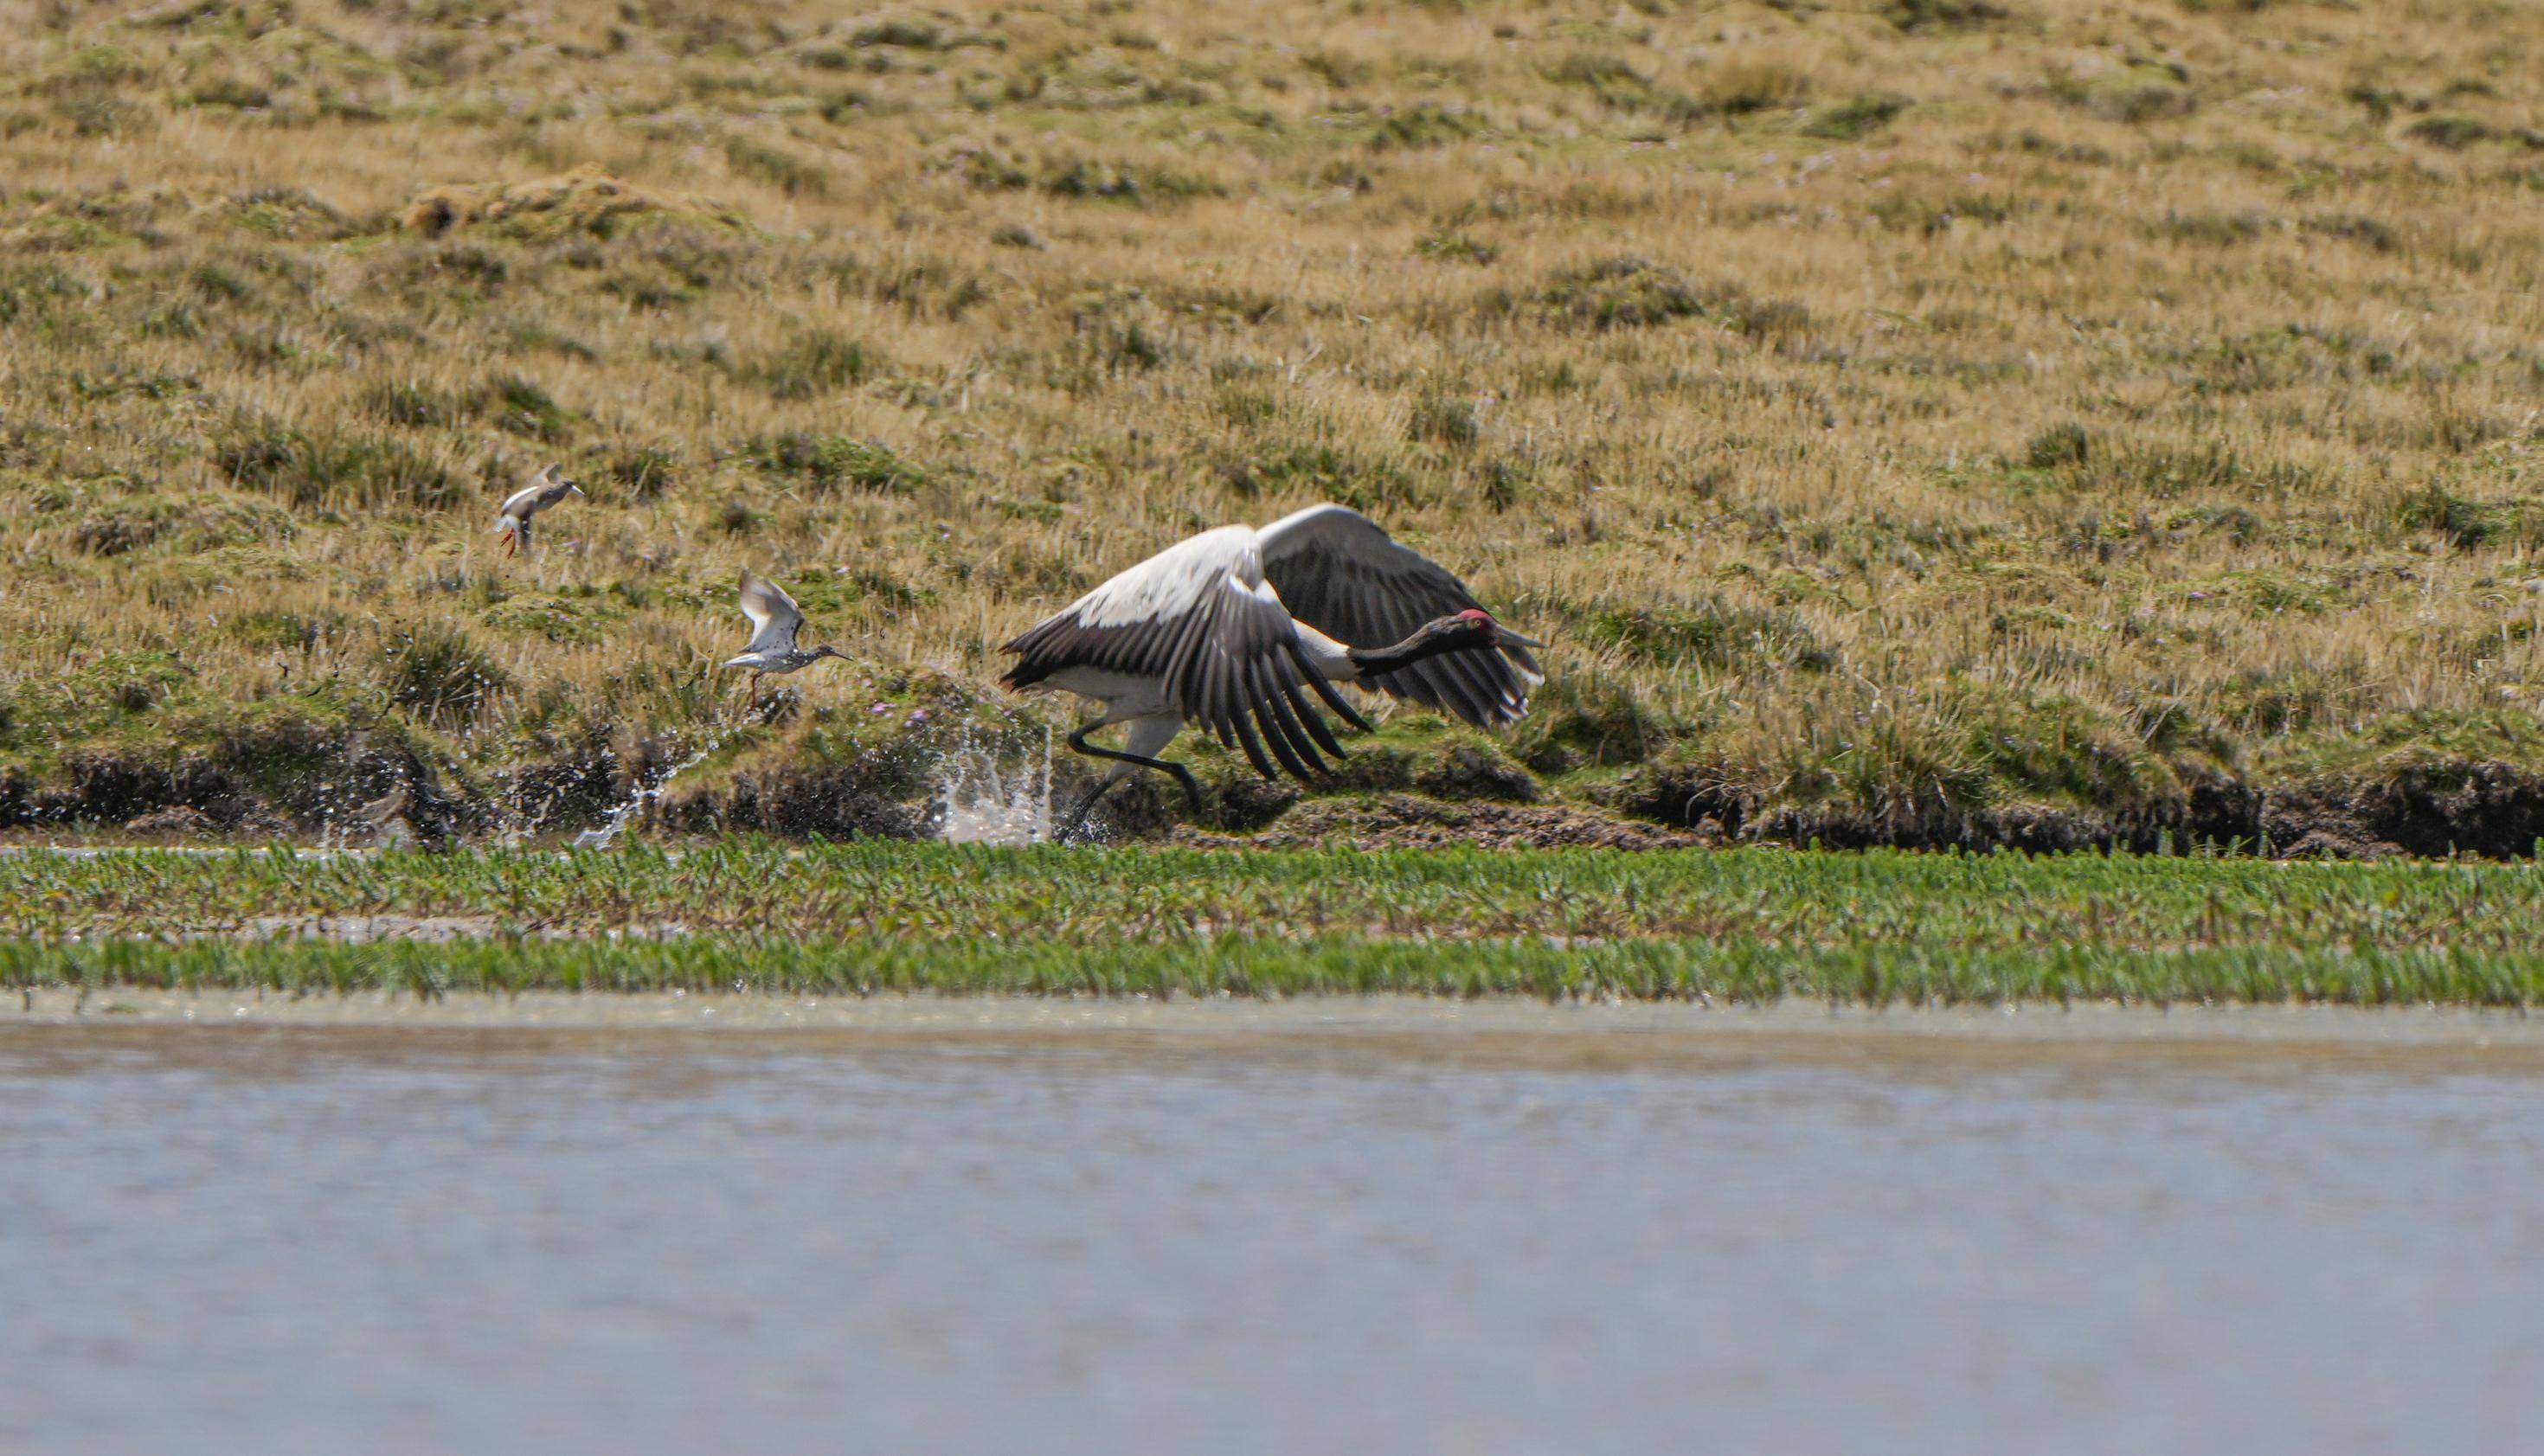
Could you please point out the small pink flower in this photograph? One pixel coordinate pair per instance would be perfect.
(880, 707)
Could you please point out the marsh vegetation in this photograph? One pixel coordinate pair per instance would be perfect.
(1746, 925)
(2058, 422)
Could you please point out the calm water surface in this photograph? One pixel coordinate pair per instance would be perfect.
(226, 1240)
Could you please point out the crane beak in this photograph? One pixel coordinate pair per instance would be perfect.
(1507, 638)
(578, 490)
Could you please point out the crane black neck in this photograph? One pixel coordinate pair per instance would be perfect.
(1432, 640)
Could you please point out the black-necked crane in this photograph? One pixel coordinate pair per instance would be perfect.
(774, 621)
(545, 489)
(1231, 629)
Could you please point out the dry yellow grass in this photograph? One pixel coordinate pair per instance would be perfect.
(1895, 412)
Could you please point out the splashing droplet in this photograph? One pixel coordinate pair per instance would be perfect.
(605, 835)
(978, 803)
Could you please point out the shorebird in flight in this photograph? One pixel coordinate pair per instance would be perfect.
(774, 621)
(545, 489)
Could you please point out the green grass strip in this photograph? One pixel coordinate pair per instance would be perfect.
(1673, 969)
(1100, 898)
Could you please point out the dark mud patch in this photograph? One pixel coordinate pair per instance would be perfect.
(302, 781)
(1149, 806)
(578, 780)
(115, 790)
(1403, 821)
(835, 803)
(2491, 809)
(178, 824)
(1694, 798)
(291, 782)
(573, 788)
(1461, 772)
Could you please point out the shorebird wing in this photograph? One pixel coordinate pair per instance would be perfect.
(1341, 574)
(546, 489)
(774, 617)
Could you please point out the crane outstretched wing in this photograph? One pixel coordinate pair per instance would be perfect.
(1341, 574)
(774, 617)
(1199, 617)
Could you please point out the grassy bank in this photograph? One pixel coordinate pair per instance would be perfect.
(1742, 925)
(1645, 970)
(1910, 420)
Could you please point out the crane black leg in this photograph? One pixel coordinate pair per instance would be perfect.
(1085, 807)
(1077, 743)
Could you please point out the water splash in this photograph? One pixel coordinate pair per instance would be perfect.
(978, 803)
(605, 834)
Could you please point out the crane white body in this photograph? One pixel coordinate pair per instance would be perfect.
(1234, 628)
(1170, 586)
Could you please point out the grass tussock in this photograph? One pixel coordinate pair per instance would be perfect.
(587, 201)
(1911, 419)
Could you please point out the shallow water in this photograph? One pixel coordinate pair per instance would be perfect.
(312, 1239)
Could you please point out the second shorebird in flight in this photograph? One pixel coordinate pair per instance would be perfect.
(1231, 629)
(774, 620)
(545, 489)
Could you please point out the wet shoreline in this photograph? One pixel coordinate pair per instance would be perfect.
(1495, 1032)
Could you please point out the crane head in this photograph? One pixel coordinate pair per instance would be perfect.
(1476, 622)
